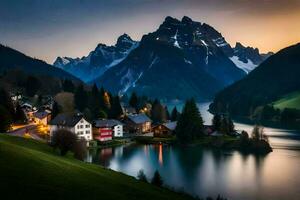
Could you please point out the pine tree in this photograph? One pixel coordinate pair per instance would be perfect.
(168, 116)
(32, 85)
(80, 98)
(19, 114)
(217, 121)
(55, 110)
(158, 112)
(190, 123)
(174, 114)
(157, 180)
(68, 86)
(5, 119)
(95, 102)
(133, 101)
(6, 102)
(116, 110)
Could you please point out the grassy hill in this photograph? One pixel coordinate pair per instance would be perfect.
(32, 170)
(289, 101)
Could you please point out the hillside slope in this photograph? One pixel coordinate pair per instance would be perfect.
(11, 59)
(274, 78)
(31, 170)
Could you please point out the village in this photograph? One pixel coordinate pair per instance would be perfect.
(132, 124)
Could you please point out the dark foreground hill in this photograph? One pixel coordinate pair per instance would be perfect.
(31, 170)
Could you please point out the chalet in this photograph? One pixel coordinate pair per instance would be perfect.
(42, 117)
(165, 129)
(138, 123)
(106, 129)
(127, 110)
(208, 129)
(74, 123)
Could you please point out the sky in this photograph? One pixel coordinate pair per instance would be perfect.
(46, 29)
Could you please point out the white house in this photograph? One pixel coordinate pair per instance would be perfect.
(74, 123)
(115, 125)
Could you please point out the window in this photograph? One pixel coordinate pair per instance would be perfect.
(78, 126)
(81, 126)
(87, 132)
(87, 126)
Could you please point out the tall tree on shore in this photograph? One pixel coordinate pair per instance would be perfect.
(133, 101)
(116, 110)
(80, 98)
(217, 121)
(175, 114)
(190, 123)
(158, 112)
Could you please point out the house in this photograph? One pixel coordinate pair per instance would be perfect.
(42, 117)
(138, 123)
(209, 129)
(165, 129)
(115, 125)
(127, 110)
(74, 123)
(28, 110)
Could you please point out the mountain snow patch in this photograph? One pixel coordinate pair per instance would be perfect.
(247, 67)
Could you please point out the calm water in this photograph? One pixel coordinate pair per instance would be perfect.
(207, 173)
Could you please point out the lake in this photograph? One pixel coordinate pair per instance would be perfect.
(205, 172)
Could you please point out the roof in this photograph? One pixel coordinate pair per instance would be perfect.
(139, 118)
(66, 119)
(170, 125)
(41, 114)
(106, 123)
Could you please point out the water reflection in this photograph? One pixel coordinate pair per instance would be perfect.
(206, 172)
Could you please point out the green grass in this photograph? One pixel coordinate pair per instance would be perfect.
(32, 170)
(289, 101)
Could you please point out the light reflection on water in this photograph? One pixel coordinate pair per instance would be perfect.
(205, 172)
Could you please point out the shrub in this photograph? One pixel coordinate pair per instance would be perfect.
(142, 177)
(64, 140)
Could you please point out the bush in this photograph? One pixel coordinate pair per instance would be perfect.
(64, 140)
(142, 177)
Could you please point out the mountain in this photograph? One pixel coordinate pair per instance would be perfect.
(11, 59)
(247, 58)
(273, 79)
(98, 61)
(180, 59)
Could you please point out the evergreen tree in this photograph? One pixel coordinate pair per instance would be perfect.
(217, 121)
(116, 110)
(190, 123)
(157, 180)
(95, 102)
(19, 114)
(68, 86)
(168, 116)
(32, 85)
(142, 177)
(5, 119)
(6, 102)
(55, 110)
(174, 114)
(133, 101)
(158, 112)
(80, 98)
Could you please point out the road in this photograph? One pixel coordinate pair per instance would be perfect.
(31, 129)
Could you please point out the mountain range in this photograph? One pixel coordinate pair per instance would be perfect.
(181, 59)
(274, 79)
